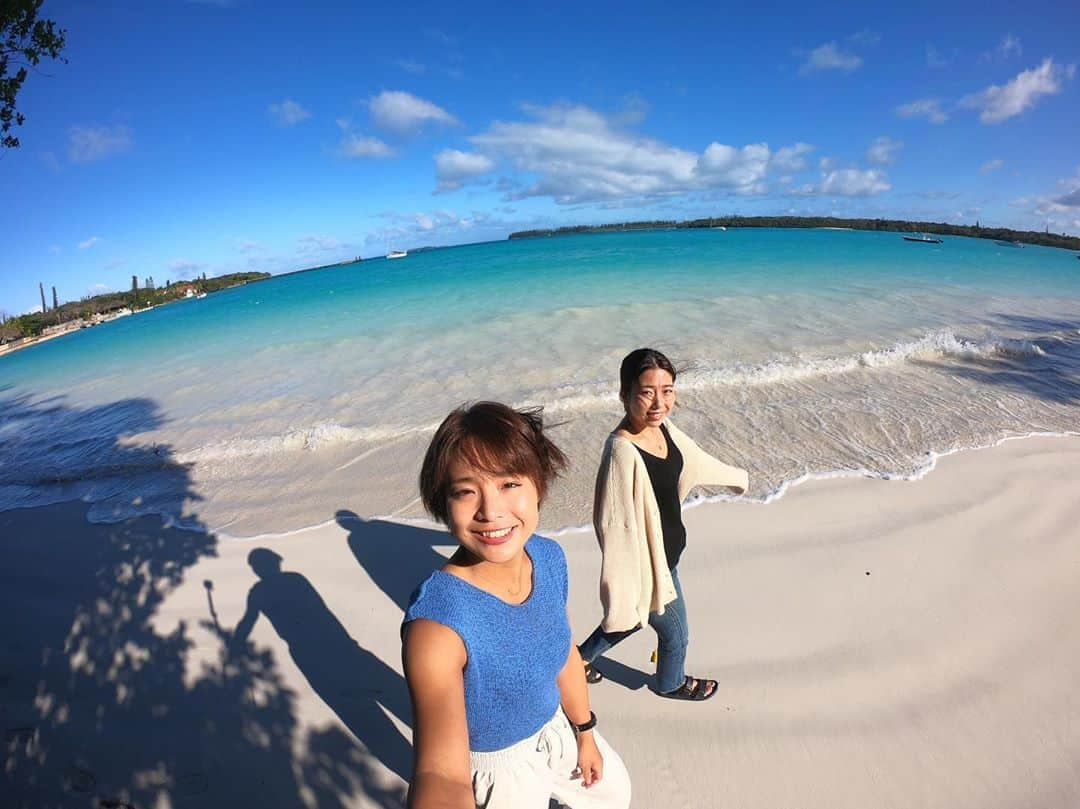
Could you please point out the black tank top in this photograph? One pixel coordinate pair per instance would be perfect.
(664, 476)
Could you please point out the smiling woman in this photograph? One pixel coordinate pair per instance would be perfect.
(496, 685)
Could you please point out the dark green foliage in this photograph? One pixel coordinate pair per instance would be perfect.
(24, 41)
(942, 229)
(32, 325)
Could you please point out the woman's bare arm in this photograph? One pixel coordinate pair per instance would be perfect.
(434, 658)
(574, 696)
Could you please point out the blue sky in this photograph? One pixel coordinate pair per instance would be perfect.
(190, 137)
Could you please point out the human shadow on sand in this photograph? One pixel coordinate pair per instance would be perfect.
(107, 698)
(626, 676)
(397, 557)
(352, 681)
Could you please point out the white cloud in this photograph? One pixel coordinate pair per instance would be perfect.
(998, 104)
(185, 268)
(829, 57)
(319, 244)
(249, 246)
(1057, 208)
(51, 160)
(578, 156)
(883, 150)
(934, 59)
(439, 227)
(1069, 200)
(409, 66)
(454, 168)
(403, 112)
(928, 108)
(827, 163)
(865, 37)
(792, 158)
(634, 110)
(574, 154)
(854, 183)
(991, 165)
(89, 242)
(89, 143)
(288, 112)
(1065, 200)
(441, 37)
(356, 146)
(1010, 46)
(740, 170)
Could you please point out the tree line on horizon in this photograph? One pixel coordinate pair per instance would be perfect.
(33, 324)
(1046, 238)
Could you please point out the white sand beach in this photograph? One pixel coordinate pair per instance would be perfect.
(878, 644)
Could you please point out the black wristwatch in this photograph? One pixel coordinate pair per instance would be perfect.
(584, 726)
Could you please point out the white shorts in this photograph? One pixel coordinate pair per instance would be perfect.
(528, 774)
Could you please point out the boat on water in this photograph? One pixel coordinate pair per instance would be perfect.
(201, 295)
(926, 238)
(1008, 243)
(397, 254)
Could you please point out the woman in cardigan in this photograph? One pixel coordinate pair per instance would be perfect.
(648, 467)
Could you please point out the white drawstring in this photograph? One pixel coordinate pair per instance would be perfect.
(546, 741)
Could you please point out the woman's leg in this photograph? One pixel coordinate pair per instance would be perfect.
(673, 633)
(600, 642)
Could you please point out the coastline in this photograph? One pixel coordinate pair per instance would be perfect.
(72, 326)
(877, 644)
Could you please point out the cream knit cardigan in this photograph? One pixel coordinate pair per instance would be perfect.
(634, 576)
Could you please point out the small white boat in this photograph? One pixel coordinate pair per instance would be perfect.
(397, 254)
(925, 238)
(201, 295)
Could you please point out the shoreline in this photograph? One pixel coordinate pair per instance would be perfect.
(695, 501)
(878, 645)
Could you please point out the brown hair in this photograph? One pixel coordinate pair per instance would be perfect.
(493, 438)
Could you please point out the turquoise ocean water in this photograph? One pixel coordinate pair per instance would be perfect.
(272, 406)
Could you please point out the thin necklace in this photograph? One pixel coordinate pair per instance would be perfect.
(514, 592)
(655, 443)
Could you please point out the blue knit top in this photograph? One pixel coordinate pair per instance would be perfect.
(515, 652)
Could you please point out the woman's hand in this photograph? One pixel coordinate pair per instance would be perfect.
(590, 764)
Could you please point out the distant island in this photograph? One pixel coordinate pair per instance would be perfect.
(897, 225)
(18, 332)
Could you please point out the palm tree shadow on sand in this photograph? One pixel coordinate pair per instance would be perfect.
(98, 705)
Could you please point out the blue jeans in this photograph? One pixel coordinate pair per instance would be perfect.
(672, 632)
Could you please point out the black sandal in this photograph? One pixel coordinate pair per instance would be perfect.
(692, 689)
(592, 674)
